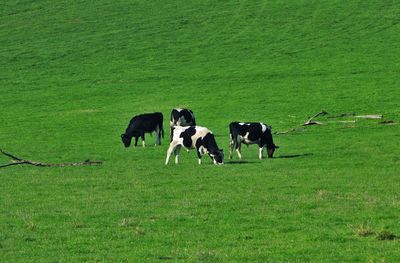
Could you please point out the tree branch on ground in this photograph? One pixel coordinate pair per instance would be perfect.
(308, 122)
(371, 116)
(17, 160)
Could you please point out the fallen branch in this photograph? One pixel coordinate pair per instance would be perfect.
(311, 123)
(16, 160)
(371, 116)
(345, 121)
(306, 123)
(342, 115)
(310, 120)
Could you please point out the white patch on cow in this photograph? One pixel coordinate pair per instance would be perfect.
(263, 127)
(201, 132)
(178, 110)
(203, 150)
(245, 139)
(241, 123)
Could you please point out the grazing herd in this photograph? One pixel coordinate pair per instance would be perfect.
(185, 133)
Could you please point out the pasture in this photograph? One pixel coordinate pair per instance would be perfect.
(73, 73)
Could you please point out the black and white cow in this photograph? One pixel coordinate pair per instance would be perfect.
(182, 117)
(141, 124)
(195, 137)
(251, 133)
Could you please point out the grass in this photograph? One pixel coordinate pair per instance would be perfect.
(386, 235)
(363, 230)
(73, 73)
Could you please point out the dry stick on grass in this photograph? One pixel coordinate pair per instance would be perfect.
(342, 115)
(17, 160)
(306, 123)
(371, 116)
(310, 120)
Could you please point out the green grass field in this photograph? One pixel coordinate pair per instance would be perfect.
(73, 73)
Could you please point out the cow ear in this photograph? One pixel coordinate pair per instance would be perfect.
(221, 150)
(276, 146)
(122, 135)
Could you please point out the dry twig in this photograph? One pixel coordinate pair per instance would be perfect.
(371, 116)
(310, 120)
(306, 123)
(16, 160)
(342, 115)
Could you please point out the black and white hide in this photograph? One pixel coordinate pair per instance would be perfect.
(194, 137)
(251, 133)
(141, 124)
(182, 117)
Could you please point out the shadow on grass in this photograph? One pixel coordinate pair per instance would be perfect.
(293, 156)
(239, 162)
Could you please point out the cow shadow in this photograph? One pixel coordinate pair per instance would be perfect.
(239, 162)
(289, 156)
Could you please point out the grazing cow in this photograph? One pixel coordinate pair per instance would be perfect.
(182, 117)
(141, 124)
(195, 137)
(251, 133)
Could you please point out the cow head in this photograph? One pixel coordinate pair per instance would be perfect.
(270, 151)
(218, 157)
(126, 140)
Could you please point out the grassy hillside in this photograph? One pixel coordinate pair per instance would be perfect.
(73, 73)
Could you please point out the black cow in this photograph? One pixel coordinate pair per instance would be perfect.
(251, 133)
(182, 117)
(195, 137)
(141, 124)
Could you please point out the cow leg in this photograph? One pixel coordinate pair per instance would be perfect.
(158, 135)
(143, 142)
(231, 145)
(238, 149)
(177, 150)
(136, 140)
(171, 148)
(212, 159)
(171, 134)
(260, 152)
(198, 154)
